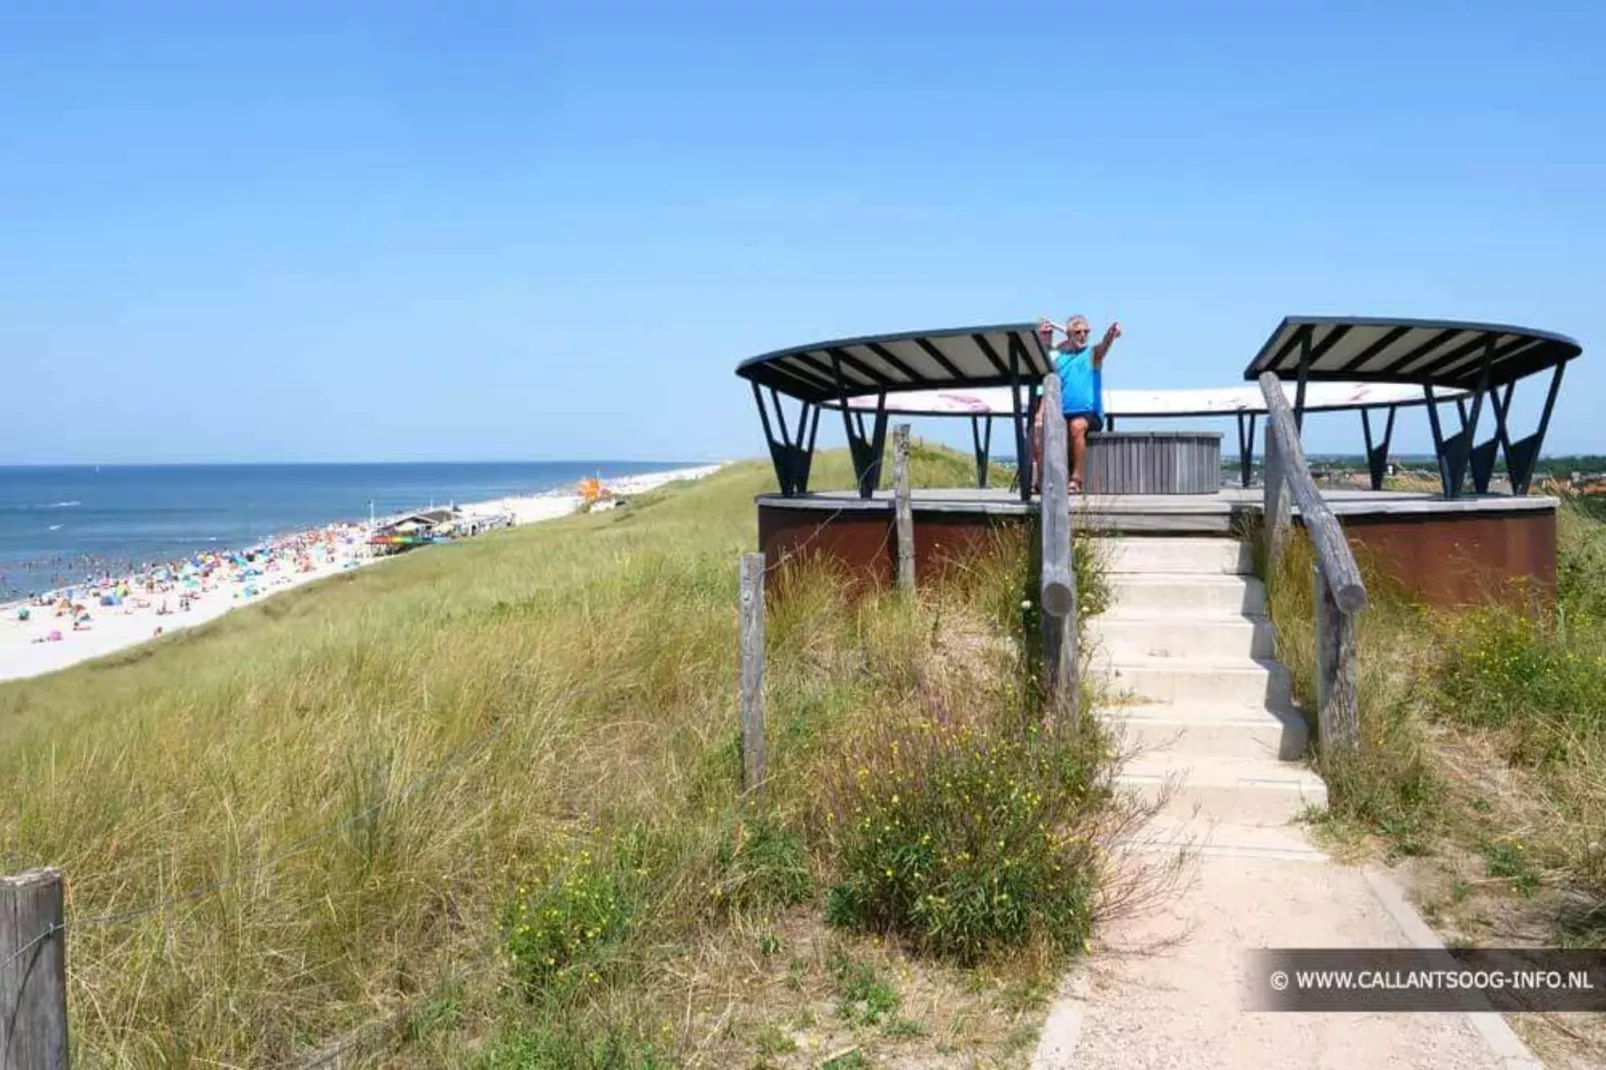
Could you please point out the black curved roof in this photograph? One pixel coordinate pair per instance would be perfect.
(1441, 353)
(917, 360)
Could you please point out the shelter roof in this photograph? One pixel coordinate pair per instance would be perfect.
(964, 358)
(1438, 353)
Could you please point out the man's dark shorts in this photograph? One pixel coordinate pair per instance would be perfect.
(1095, 422)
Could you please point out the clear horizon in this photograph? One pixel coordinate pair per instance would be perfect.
(377, 461)
(286, 234)
(1229, 456)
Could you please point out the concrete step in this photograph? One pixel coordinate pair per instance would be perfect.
(1124, 634)
(1236, 792)
(1204, 555)
(1223, 681)
(1203, 837)
(1186, 731)
(1201, 595)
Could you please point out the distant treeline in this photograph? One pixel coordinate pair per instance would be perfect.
(1549, 466)
(1561, 466)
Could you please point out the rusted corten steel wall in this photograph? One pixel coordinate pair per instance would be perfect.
(865, 542)
(1446, 560)
(1457, 559)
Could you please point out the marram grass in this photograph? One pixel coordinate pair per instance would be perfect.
(467, 807)
(1519, 681)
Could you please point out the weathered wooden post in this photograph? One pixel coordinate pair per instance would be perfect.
(1278, 509)
(1338, 712)
(1058, 588)
(33, 972)
(752, 631)
(1326, 632)
(905, 511)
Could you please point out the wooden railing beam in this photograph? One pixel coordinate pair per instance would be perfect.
(1339, 591)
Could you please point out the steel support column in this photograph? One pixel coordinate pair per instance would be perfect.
(1246, 447)
(1377, 456)
(792, 460)
(982, 442)
(866, 449)
(1023, 420)
(1304, 375)
(1483, 455)
(1458, 448)
(1438, 440)
(1524, 455)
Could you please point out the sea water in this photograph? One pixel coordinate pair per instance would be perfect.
(60, 525)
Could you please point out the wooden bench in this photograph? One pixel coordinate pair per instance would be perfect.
(1153, 462)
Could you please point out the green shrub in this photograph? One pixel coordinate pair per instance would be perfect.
(1506, 860)
(1581, 558)
(561, 927)
(763, 864)
(1500, 667)
(967, 842)
(863, 996)
(1092, 586)
(574, 1044)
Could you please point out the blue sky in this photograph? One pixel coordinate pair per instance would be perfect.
(403, 231)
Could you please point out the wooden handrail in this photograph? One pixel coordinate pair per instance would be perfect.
(1286, 467)
(1057, 592)
(1340, 592)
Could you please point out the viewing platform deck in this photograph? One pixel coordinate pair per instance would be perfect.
(1448, 551)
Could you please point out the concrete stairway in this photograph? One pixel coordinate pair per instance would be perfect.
(1188, 640)
(1186, 648)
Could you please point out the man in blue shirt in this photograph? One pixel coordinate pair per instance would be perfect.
(1081, 371)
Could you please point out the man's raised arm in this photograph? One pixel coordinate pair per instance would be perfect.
(1103, 348)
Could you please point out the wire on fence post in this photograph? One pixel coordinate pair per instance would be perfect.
(33, 971)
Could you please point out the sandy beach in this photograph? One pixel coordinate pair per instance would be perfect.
(90, 620)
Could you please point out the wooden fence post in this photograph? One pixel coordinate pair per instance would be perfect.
(1326, 632)
(905, 511)
(1338, 712)
(33, 972)
(752, 631)
(1278, 510)
(1344, 697)
(1058, 591)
